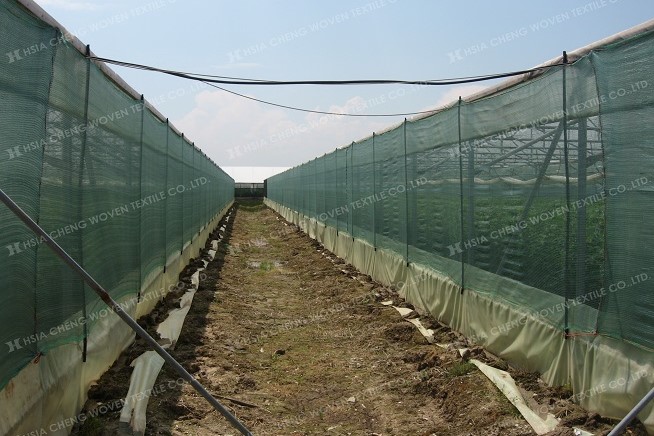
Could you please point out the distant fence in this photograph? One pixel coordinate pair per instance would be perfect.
(251, 190)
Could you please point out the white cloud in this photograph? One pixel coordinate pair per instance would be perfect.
(452, 95)
(448, 99)
(234, 131)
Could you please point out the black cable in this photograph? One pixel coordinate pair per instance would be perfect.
(316, 111)
(211, 80)
(149, 68)
(225, 80)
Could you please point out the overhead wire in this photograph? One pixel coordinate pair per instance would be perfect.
(227, 80)
(212, 80)
(315, 111)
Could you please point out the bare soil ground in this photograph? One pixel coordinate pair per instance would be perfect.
(294, 341)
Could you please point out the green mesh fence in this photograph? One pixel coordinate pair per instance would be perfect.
(538, 195)
(111, 182)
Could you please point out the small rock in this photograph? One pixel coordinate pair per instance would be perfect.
(351, 400)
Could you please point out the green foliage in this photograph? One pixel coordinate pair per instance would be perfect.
(460, 369)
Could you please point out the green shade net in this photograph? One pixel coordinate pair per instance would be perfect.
(110, 181)
(538, 195)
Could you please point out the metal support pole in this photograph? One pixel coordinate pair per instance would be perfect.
(194, 208)
(166, 199)
(324, 183)
(316, 186)
(142, 103)
(413, 202)
(470, 216)
(358, 192)
(29, 222)
(461, 194)
(351, 213)
(566, 248)
(406, 198)
(336, 186)
(181, 248)
(305, 200)
(80, 186)
(374, 196)
(622, 425)
(582, 139)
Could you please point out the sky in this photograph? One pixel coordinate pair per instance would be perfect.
(324, 40)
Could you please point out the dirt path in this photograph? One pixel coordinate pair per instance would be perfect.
(288, 329)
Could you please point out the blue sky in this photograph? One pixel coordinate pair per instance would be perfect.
(337, 39)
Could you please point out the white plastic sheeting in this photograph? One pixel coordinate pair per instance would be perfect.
(148, 365)
(146, 370)
(507, 386)
(46, 396)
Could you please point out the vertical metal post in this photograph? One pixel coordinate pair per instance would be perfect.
(80, 187)
(462, 234)
(406, 198)
(352, 200)
(374, 196)
(324, 183)
(315, 187)
(582, 144)
(414, 197)
(470, 224)
(336, 186)
(140, 215)
(166, 200)
(566, 248)
(194, 194)
(181, 248)
(351, 214)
